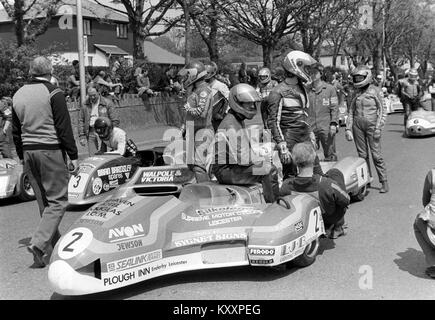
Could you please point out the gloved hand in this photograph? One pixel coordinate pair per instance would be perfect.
(284, 153)
(349, 135)
(377, 134)
(333, 130)
(82, 142)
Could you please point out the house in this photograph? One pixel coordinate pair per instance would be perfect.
(106, 32)
(158, 55)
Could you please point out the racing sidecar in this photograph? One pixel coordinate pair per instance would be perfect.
(420, 123)
(134, 238)
(14, 182)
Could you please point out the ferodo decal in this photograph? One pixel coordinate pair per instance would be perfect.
(110, 208)
(136, 261)
(219, 216)
(126, 233)
(74, 242)
(209, 238)
(261, 252)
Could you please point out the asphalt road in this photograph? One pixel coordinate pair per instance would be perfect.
(379, 257)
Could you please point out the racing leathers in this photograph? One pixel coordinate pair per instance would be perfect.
(424, 225)
(198, 130)
(264, 91)
(236, 162)
(323, 117)
(367, 117)
(410, 94)
(288, 121)
(117, 143)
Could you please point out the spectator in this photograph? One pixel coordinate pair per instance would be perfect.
(73, 82)
(164, 83)
(143, 84)
(330, 187)
(43, 136)
(253, 77)
(5, 125)
(95, 106)
(243, 74)
(102, 86)
(431, 90)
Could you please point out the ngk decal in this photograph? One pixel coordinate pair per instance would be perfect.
(126, 233)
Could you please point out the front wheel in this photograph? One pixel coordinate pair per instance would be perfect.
(26, 192)
(309, 256)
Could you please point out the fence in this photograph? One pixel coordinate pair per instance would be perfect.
(136, 113)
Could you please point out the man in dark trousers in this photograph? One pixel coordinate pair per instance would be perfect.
(43, 137)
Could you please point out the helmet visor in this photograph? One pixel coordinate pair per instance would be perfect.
(358, 78)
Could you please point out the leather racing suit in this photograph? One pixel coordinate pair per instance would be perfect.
(367, 114)
(264, 91)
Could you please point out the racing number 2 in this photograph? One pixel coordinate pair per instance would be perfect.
(316, 214)
(78, 236)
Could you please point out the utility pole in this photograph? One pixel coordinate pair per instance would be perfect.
(384, 59)
(81, 53)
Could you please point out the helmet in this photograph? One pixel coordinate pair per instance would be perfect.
(264, 75)
(54, 81)
(361, 76)
(413, 74)
(212, 69)
(192, 72)
(103, 127)
(296, 62)
(244, 93)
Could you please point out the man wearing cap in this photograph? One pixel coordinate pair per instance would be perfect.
(43, 137)
(323, 112)
(410, 93)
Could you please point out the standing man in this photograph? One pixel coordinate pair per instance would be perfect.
(323, 112)
(410, 94)
(288, 110)
(5, 125)
(367, 116)
(198, 129)
(264, 87)
(95, 106)
(43, 136)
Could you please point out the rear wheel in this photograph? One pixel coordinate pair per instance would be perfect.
(309, 256)
(360, 195)
(26, 191)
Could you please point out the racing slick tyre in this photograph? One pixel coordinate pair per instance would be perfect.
(26, 192)
(309, 256)
(360, 195)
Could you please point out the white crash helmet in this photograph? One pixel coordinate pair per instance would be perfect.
(212, 70)
(244, 93)
(361, 76)
(297, 63)
(413, 74)
(264, 75)
(191, 73)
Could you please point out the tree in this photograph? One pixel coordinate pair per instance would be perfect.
(26, 29)
(264, 22)
(143, 17)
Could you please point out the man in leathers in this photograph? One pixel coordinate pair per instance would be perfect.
(410, 93)
(198, 129)
(288, 110)
(323, 112)
(264, 87)
(367, 116)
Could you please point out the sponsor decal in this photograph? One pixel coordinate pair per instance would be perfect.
(73, 195)
(89, 221)
(86, 168)
(126, 233)
(114, 170)
(261, 252)
(158, 176)
(270, 261)
(123, 246)
(97, 159)
(293, 248)
(113, 183)
(136, 261)
(106, 187)
(105, 210)
(209, 238)
(219, 216)
(119, 278)
(97, 186)
(299, 226)
(160, 267)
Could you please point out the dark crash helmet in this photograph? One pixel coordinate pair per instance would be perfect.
(191, 73)
(103, 127)
(212, 70)
(243, 100)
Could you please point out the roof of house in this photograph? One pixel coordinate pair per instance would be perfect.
(111, 49)
(158, 55)
(89, 10)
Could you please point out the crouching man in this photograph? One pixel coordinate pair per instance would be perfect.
(331, 189)
(113, 140)
(233, 149)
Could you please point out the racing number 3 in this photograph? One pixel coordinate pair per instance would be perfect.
(76, 184)
(78, 236)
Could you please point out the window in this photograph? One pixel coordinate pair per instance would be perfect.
(122, 31)
(90, 60)
(87, 27)
(342, 60)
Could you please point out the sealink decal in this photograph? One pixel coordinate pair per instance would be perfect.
(125, 233)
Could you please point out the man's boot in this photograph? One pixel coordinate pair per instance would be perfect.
(385, 188)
